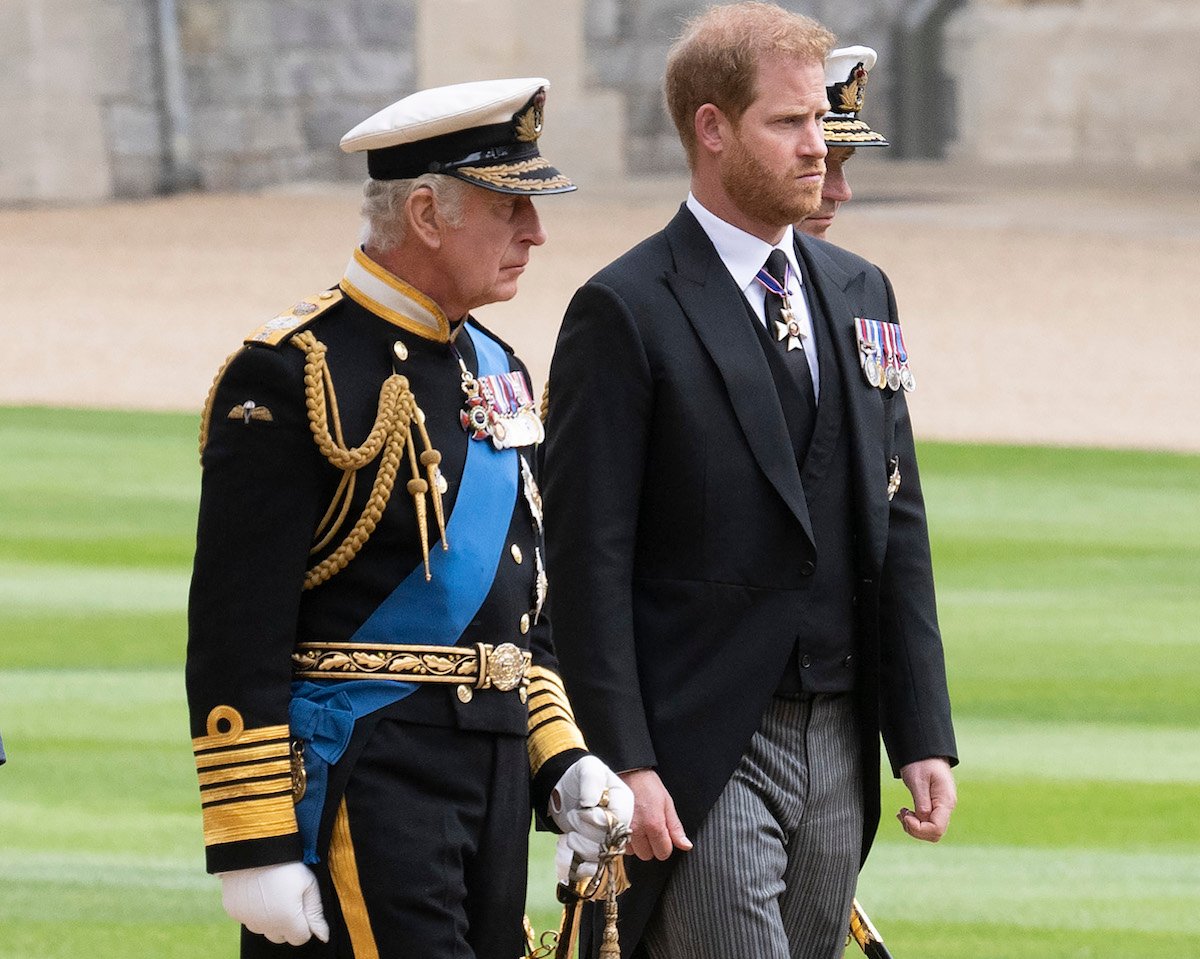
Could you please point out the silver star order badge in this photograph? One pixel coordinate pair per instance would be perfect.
(789, 329)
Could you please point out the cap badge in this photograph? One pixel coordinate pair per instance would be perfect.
(529, 121)
(854, 90)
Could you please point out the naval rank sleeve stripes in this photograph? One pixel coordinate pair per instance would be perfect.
(245, 780)
(552, 728)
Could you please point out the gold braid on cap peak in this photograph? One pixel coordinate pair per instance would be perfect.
(391, 434)
(509, 175)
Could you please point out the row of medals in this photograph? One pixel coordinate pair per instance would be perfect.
(892, 373)
(510, 430)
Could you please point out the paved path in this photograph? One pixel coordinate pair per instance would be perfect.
(1035, 309)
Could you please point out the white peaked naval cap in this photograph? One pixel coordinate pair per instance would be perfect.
(846, 73)
(485, 133)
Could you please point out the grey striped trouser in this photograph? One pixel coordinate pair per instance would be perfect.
(775, 862)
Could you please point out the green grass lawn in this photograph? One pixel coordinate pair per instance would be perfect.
(1068, 593)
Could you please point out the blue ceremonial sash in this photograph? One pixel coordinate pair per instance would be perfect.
(433, 612)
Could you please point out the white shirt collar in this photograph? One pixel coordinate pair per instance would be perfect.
(743, 253)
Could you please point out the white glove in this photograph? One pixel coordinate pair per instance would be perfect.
(575, 809)
(281, 902)
(586, 862)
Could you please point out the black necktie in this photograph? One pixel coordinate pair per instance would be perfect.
(784, 333)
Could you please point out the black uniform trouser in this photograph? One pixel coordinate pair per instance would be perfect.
(428, 851)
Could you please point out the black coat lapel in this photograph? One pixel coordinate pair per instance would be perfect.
(717, 312)
(839, 290)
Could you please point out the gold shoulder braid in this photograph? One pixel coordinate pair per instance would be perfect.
(206, 413)
(545, 410)
(272, 333)
(391, 434)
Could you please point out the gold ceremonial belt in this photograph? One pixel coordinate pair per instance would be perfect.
(482, 666)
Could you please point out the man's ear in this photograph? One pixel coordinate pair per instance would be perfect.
(422, 219)
(712, 128)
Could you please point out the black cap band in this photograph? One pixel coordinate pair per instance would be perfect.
(479, 146)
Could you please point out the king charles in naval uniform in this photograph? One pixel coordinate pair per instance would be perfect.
(375, 701)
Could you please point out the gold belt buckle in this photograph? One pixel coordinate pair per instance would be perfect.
(502, 667)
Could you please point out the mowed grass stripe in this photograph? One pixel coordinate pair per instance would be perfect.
(1095, 752)
(104, 704)
(146, 932)
(910, 939)
(88, 826)
(82, 588)
(1031, 887)
(93, 639)
(1056, 814)
(95, 869)
(88, 454)
(1067, 582)
(1070, 679)
(101, 488)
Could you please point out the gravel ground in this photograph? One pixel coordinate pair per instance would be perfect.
(1035, 309)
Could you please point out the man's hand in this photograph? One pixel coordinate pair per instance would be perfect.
(281, 902)
(932, 786)
(657, 831)
(576, 810)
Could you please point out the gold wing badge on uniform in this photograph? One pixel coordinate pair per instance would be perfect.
(250, 410)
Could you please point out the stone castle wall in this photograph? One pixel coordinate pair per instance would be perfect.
(1086, 82)
(269, 86)
(263, 89)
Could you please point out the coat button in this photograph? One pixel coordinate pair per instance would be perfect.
(805, 661)
(516, 554)
(847, 661)
(525, 623)
(807, 568)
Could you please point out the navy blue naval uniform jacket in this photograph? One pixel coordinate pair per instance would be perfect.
(265, 488)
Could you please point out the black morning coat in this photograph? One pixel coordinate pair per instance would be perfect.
(679, 538)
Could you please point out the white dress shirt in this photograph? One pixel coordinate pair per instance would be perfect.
(744, 255)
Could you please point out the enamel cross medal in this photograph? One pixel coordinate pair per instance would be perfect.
(500, 407)
(787, 327)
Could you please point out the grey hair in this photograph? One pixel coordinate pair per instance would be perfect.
(383, 207)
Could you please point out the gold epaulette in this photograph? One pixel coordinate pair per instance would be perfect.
(552, 728)
(249, 779)
(278, 330)
(291, 321)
